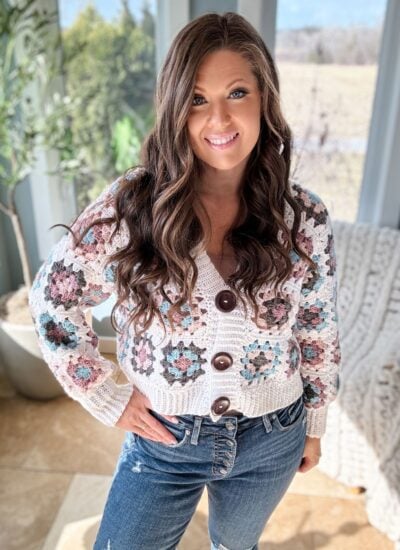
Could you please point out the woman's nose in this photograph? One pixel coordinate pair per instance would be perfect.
(218, 113)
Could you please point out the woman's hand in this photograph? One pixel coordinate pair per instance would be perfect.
(311, 454)
(137, 419)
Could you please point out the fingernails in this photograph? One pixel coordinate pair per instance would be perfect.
(171, 418)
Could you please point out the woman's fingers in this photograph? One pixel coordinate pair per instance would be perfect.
(171, 417)
(307, 463)
(136, 418)
(155, 428)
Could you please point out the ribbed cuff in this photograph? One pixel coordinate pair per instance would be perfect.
(108, 401)
(316, 421)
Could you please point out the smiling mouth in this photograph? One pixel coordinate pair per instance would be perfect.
(222, 143)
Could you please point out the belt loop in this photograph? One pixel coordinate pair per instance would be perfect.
(196, 430)
(267, 422)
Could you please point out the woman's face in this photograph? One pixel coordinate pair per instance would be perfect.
(226, 103)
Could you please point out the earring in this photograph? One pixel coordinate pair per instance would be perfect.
(281, 148)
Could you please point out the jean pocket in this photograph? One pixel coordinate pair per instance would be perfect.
(289, 417)
(181, 438)
(161, 418)
(180, 433)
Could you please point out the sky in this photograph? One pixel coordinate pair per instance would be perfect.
(291, 13)
(342, 13)
(109, 9)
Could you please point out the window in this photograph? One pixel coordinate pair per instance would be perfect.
(109, 61)
(110, 70)
(327, 56)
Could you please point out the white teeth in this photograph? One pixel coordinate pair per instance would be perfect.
(221, 141)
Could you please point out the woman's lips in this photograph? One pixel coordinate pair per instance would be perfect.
(224, 145)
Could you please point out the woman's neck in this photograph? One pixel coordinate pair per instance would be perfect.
(221, 185)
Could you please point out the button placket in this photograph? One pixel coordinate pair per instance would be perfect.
(225, 301)
(224, 458)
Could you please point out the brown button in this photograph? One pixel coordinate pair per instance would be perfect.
(225, 300)
(222, 361)
(221, 405)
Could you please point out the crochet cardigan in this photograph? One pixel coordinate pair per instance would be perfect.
(217, 358)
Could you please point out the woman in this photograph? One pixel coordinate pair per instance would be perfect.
(226, 319)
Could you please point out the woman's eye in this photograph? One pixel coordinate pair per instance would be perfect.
(194, 99)
(240, 92)
(234, 92)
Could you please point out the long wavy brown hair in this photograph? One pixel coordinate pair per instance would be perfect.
(157, 198)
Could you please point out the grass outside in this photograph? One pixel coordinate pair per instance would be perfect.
(328, 108)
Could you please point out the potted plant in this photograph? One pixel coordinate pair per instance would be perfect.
(24, 37)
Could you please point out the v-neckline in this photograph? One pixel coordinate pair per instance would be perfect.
(213, 268)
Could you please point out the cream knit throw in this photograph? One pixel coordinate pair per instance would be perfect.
(361, 445)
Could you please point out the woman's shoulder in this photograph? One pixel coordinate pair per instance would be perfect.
(104, 204)
(314, 211)
(102, 212)
(303, 194)
(128, 177)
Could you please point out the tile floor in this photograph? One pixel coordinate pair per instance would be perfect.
(56, 463)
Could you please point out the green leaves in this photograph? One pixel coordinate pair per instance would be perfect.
(108, 70)
(110, 67)
(23, 31)
(126, 144)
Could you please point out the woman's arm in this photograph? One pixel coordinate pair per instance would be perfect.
(316, 327)
(68, 283)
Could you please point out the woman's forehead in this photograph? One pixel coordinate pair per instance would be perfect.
(221, 73)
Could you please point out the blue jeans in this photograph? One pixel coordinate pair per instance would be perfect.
(246, 463)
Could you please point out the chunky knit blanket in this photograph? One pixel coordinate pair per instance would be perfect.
(361, 446)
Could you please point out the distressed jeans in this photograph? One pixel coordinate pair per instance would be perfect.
(246, 464)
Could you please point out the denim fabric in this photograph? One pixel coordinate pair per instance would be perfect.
(246, 464)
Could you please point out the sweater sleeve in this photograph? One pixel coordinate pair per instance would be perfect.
(70, 281)
(316, 328)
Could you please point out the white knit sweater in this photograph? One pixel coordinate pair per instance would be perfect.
(293, 349)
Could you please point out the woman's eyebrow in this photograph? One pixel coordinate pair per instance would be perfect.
(228, 86)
